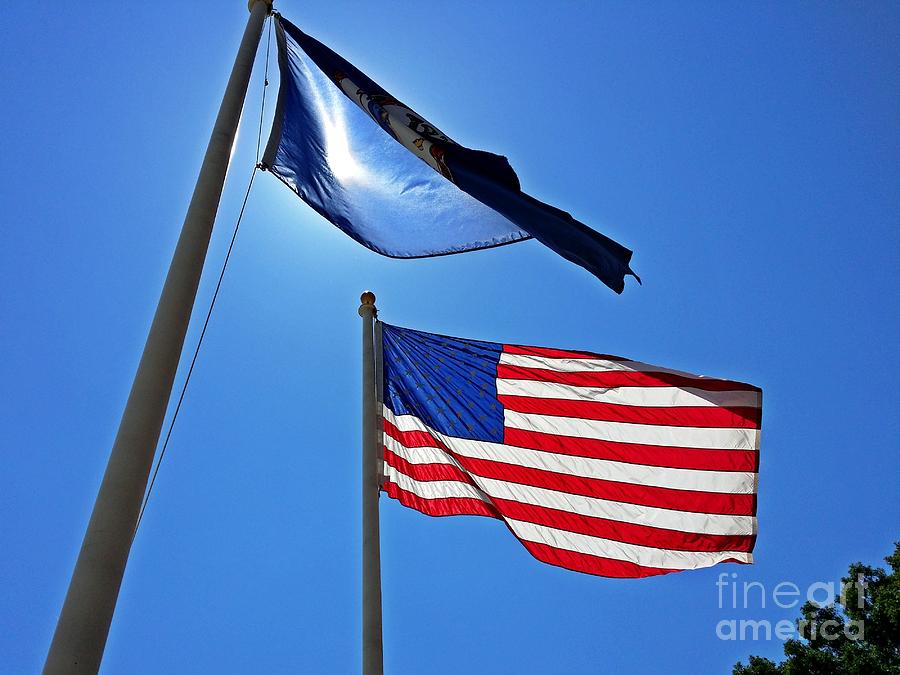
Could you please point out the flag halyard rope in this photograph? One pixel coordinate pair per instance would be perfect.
(215, 295)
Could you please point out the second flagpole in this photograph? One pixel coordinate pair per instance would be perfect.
(372, 651)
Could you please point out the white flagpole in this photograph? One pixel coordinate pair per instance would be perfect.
(372, 653)
(87, 611)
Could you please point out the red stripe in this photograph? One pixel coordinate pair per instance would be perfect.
(629, 493)
(619, 378)
(695, 416)
(412, 439)
(449, 506)
(592, 564)
(426, 472)
(666, 498)
(549, 353)
(629, 533)
(633, 453)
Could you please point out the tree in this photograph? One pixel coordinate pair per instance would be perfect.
(863, 629)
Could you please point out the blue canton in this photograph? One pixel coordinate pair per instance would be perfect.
(449, 383)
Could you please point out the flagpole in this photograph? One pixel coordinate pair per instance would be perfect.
(87, 611)
(372, 652)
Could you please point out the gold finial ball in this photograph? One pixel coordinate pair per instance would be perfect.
(367, 298)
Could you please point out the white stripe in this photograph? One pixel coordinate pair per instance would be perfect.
(418, 455)
(433, 489)
(616, 550)
(626, 432)
(565, 365)
(731, 482)
(662, 397)
(651, 516)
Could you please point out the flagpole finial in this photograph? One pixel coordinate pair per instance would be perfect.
(367, 300)
(250, 4)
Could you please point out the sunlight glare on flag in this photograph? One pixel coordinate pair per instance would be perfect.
(337, 139)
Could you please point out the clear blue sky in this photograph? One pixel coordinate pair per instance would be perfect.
(747, 153)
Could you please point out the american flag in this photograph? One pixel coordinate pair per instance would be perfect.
(595, 463)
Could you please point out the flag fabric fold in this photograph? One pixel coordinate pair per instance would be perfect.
(397, 184)
(595, 463)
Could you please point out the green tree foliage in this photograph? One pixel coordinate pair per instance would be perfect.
(866, 630)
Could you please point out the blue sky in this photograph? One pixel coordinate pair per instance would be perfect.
(747, 153)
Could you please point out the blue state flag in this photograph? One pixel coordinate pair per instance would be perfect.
(397, 184)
